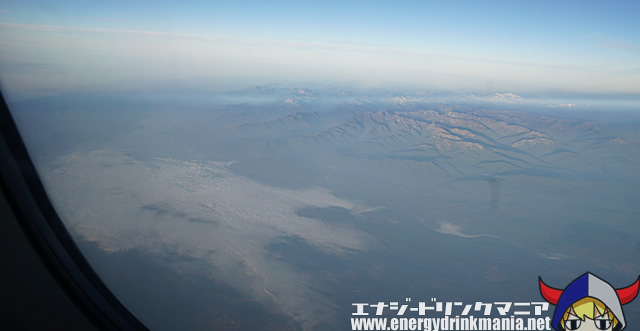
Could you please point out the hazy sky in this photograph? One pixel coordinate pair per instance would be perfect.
(519, 46)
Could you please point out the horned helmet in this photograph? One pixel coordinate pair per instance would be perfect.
(606, 301)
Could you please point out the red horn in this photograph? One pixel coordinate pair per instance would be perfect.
(553, 294)
(629, 293)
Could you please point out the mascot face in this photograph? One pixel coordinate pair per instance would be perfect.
(589, 303)
(588, 314)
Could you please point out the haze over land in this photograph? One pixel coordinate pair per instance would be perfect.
(305, 200)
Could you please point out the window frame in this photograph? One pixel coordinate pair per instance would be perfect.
(49, 238)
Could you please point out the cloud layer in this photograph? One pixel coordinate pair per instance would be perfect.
(203, 211)
(107, 59)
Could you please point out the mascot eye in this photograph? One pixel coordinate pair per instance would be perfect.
(573, 324)
(602, 324)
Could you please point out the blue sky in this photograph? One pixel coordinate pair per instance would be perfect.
(520, 46)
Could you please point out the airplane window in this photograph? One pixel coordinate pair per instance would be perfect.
(299, 166)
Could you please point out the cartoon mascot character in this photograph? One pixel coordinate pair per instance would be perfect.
(589, 303)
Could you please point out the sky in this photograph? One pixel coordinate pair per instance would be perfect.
(589, 47)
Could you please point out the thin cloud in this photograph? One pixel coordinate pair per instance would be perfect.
(455, 230)
(250, 57)
(191, 36)
(295, 44)
(30, 67)
(617, 44)
(624, 46)
(102, 19)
